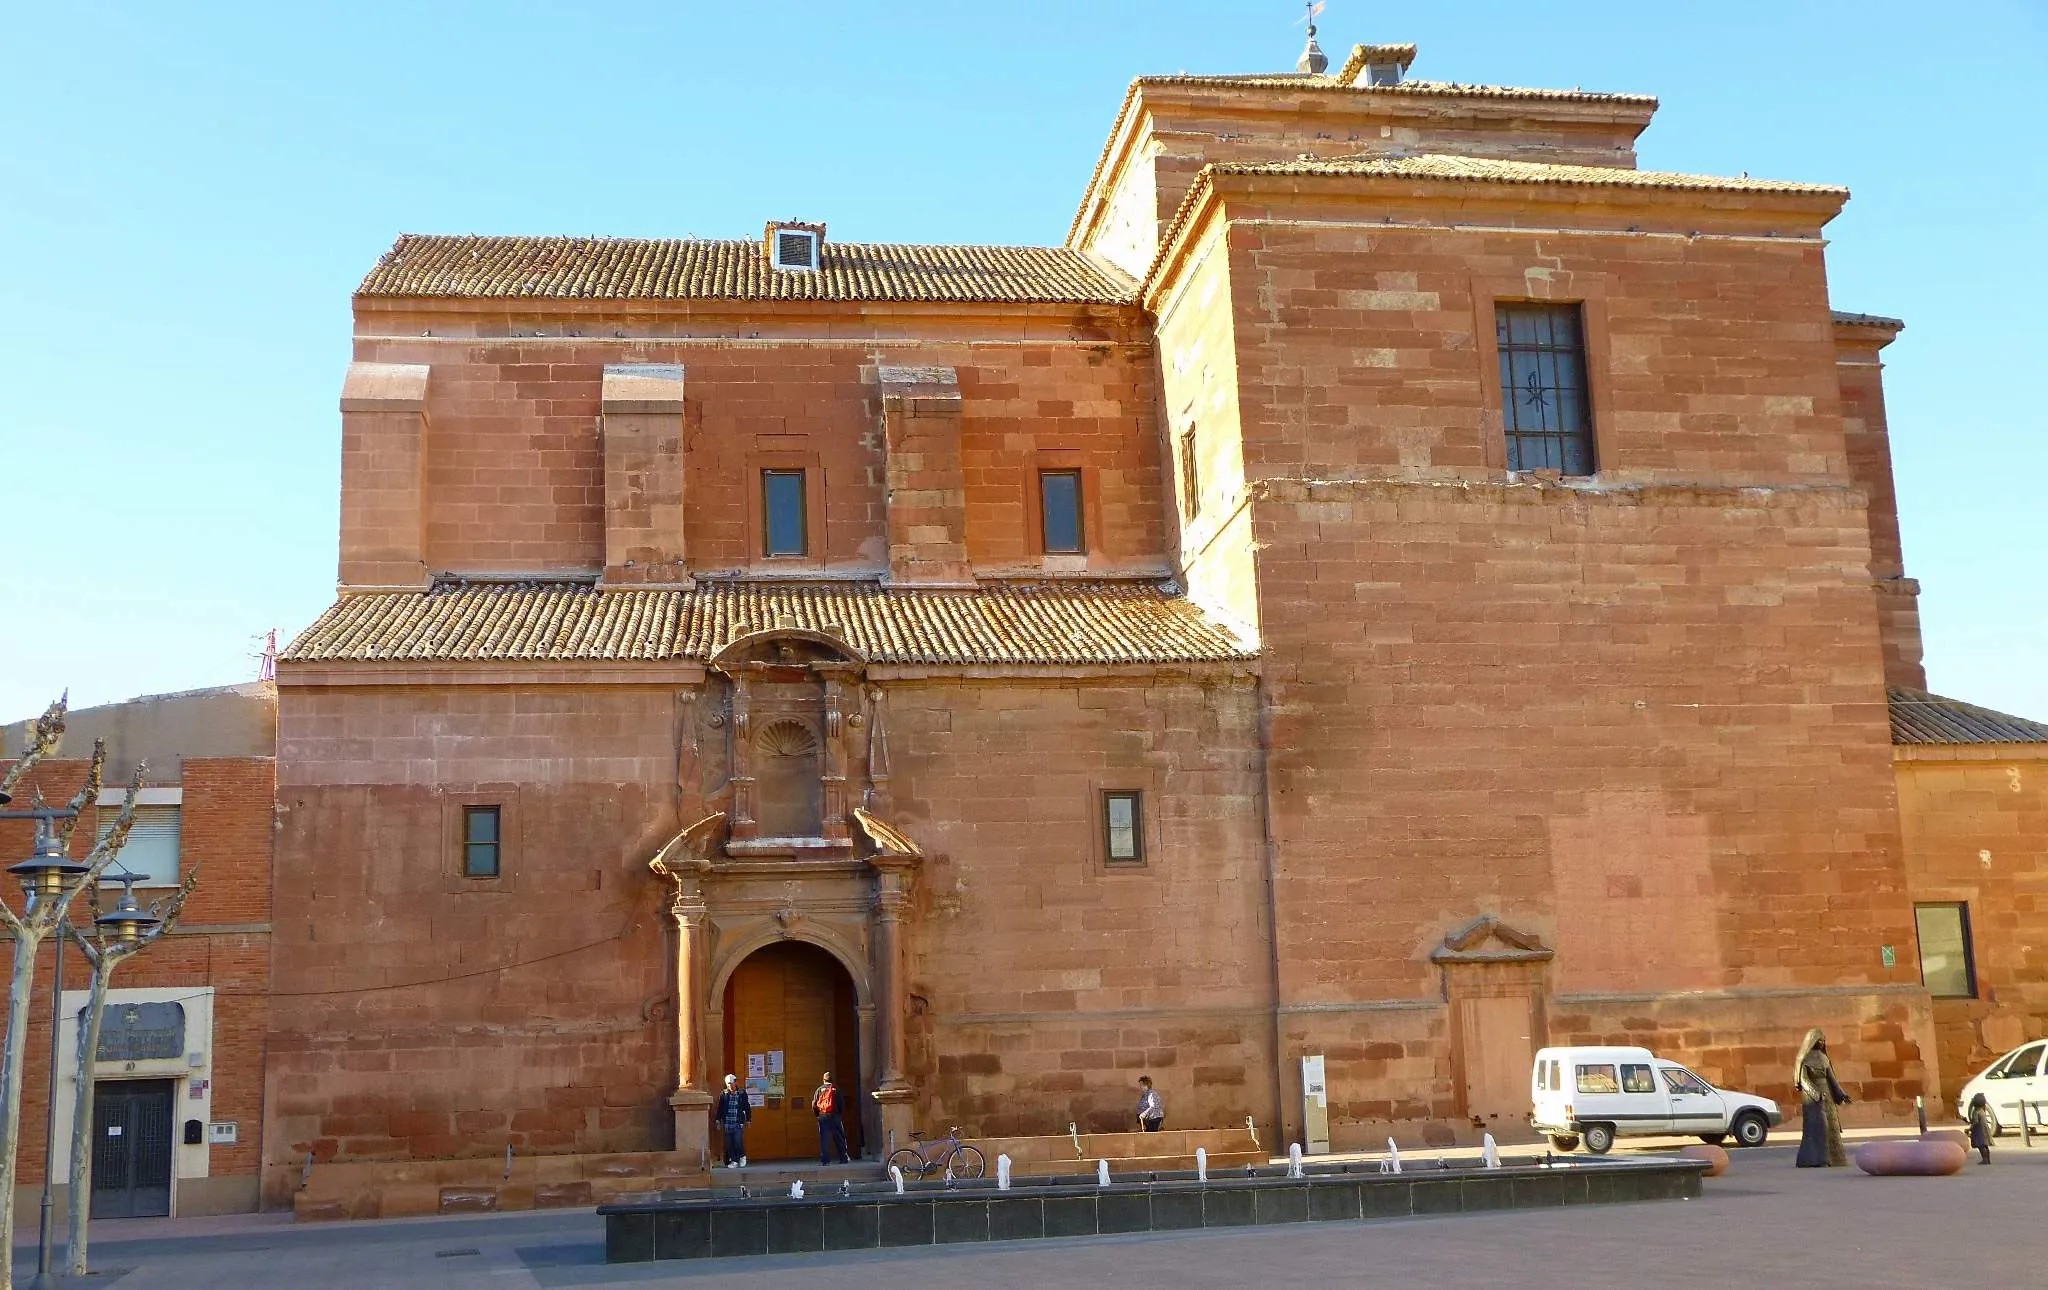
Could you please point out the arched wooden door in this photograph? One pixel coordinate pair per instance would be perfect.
(790, 1017)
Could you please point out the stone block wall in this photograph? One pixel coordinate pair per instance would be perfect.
(515, 476)
(1975, 821)
(1045, 980)
(424, 1014)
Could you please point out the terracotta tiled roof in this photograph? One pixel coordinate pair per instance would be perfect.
(1489, 170)
(1414, 89)
(1922, 718)
(604, 268)
(1049, 624)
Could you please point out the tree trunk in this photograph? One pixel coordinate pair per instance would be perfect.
(81, 1113)
(21, 987)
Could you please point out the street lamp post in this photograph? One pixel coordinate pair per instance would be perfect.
(45, 876)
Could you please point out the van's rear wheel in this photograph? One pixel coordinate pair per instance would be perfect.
(1565, 1141)
(1751, 1130)
(1599, 1138)
(1713, 1139)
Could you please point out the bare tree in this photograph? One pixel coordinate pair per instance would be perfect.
(40, 917)
(105, 953)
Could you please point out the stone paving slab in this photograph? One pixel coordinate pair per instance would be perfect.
(1765, 1224)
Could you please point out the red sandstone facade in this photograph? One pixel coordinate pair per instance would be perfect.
(1439, 760)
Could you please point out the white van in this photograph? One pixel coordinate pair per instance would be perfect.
(1599, 1094)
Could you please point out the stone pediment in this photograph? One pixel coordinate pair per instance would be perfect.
(1488, 940)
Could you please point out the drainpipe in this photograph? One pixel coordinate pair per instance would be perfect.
(1272, 859)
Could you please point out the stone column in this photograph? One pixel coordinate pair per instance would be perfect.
(892, 902)
(691, 1101)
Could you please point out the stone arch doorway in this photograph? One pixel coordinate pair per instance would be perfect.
(792, 1004)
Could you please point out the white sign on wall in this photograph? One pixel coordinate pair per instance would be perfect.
(223, 1133)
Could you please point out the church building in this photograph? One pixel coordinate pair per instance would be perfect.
(1400, 582)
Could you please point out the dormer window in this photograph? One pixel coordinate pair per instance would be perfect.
(796, 248)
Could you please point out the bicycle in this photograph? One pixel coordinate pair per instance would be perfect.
(955, 1158)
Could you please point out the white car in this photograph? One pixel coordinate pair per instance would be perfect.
(2012, 1080)
(1597, 1094)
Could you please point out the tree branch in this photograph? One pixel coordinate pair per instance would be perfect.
(43, 739)
(88, 793)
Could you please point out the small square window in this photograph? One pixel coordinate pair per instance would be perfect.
(1947, 967)
(1636, 1078)
(1059, 504)
(782, 513)
(151, 851)
(1190, 476)
(480, 842)
(1123, 828)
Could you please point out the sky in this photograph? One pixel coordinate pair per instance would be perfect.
(189, 193)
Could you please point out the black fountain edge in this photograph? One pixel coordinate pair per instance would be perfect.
(726, 1224)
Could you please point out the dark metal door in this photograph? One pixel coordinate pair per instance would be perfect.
(131, 1148)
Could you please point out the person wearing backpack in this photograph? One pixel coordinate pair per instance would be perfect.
(831, 1129)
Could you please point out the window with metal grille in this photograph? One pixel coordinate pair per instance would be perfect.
(1544, 406)
(782, 513)
(480, 842)
(1190, 476)
(1947, 967)
(796, 249)
(1059, 506)
(1123, 828)
(152, 847)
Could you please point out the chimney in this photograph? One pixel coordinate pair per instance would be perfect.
(1371, 65)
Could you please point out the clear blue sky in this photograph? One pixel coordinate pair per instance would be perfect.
(192, 191)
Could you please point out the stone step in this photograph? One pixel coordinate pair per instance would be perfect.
(411, 1188)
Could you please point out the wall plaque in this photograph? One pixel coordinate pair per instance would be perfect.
(137, 1032)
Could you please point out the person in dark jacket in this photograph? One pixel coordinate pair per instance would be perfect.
(1982, 1128)
(1820, 1125)
(733, 1112)
(831, 1128)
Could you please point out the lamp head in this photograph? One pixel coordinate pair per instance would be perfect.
(127, 920)
(48, 873)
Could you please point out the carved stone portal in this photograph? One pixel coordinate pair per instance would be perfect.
(794, 856)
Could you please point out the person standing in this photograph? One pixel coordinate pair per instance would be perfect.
(831, 1128)
(1820, 1124)
(733, 1112)
(1982, 1128)
(1151, 1108)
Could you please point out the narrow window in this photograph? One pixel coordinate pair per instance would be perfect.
(782, 512)
(1059, 507)
(1190, 477)
(1123, 828)
(1946, 965)
(1543, 387)
(480, 842)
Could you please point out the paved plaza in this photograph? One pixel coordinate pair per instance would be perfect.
(1763, 1224)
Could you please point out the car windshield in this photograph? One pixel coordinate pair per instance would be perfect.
(1681, 1080)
